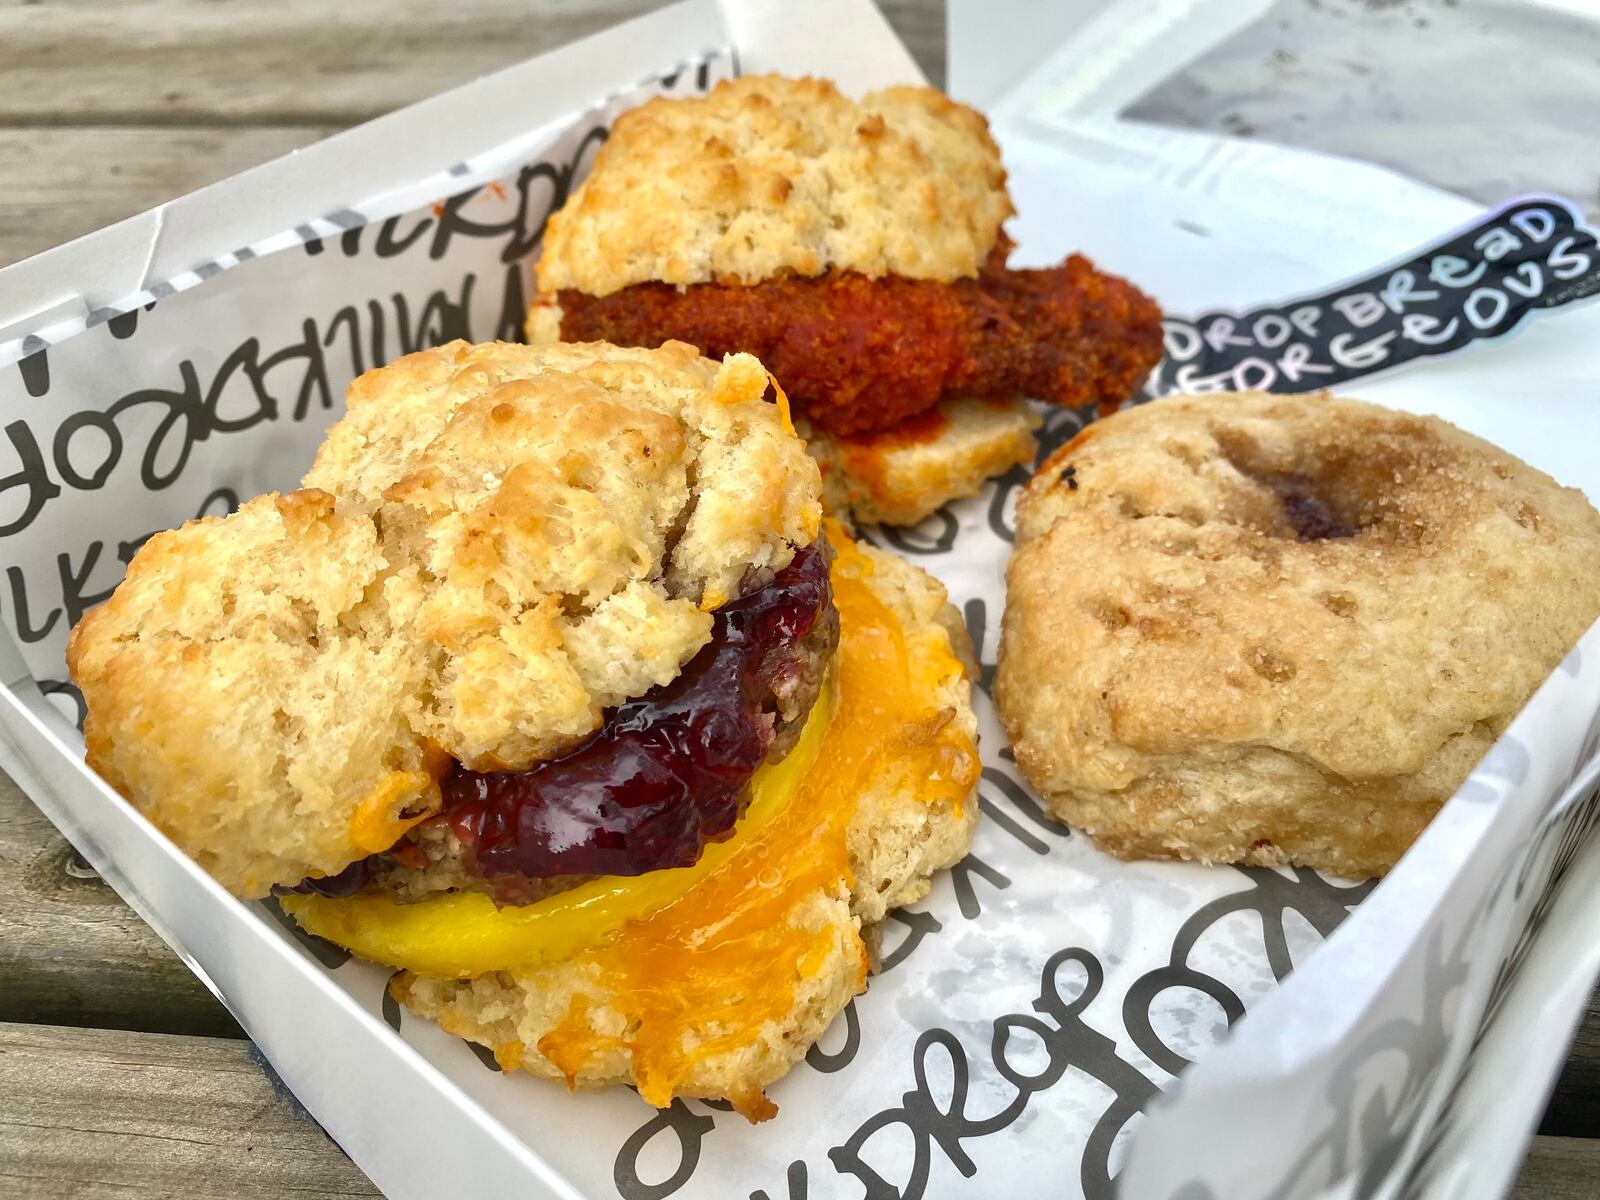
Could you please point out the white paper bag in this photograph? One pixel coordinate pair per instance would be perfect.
(1044, 995)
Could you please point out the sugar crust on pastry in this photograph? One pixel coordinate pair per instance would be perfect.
(1188, 670)
(767, 175)
(495, 544)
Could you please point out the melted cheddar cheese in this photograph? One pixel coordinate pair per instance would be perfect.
(701, 961)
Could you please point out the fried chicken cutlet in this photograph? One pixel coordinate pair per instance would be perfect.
(856, 354)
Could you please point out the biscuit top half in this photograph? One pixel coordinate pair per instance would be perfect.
(767, 176)
(494, 545)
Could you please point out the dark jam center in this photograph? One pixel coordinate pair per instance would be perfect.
(1308, 514)
(667, 772)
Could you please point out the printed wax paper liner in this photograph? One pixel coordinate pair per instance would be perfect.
(1024, 1015)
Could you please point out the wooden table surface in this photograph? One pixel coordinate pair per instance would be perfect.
(119, 1073)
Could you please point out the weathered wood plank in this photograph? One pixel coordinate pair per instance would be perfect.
(1574, 1109)
(72, 953)
(193, 61)
(94, 1113)
(107, 110)
(62, 183)
(296, 61)
(1559, 1169)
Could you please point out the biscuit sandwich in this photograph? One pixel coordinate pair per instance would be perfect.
(551, 689)
(858, 249)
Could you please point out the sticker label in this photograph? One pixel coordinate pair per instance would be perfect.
(1478, 283)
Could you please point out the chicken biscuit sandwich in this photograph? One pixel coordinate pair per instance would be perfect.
(857, 248)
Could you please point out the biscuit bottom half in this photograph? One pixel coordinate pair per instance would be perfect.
(899, 475)
(713, 980)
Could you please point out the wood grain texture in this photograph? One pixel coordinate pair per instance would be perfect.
(1574, 1108)
(92, 1113)
(107, 109)
(179, 62)
(64, 182)
(72, 953)
(1559, 1169)
(186, 62)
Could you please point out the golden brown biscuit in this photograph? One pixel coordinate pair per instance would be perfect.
(900, 475)
(1269, 629)
(679, 1013)
(496, 544)
(767, 175)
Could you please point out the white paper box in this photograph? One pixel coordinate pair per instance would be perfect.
(1044, 993)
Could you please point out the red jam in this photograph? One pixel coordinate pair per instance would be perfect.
(667, 772)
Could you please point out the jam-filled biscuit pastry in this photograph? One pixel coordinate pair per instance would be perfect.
(1280, 629)
(858, 248)
(550, 688)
